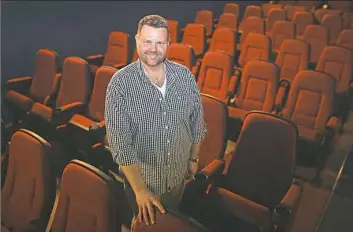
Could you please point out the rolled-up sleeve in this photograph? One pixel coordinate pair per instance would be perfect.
(118, 126)
(197, 122)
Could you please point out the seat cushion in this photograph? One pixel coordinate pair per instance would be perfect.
(22, 101)
(309, 134)
(42, 111)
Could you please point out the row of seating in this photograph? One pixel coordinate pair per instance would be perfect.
(89, 199)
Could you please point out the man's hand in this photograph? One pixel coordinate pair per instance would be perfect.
(145, 200)
(192, 169)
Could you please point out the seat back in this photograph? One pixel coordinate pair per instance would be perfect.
(308, 3)
(231, 8)
(258, 86)
(118, 49)
(228, 20)
(334, 24)
(252, 10)
(256, 46)
(45, 81)
(320, 13)
(301, 20)
(195, 36)
(266, 7)
(281, 31)
(262, 166)
(173, 30)
(86, 200)
(274, 16)
(215, 73)
(97, 102)
(216, 115)
(224, 39)
(337, 61)
(171, 221)
(252, 25)
(205, 17)
(347, 19)
(135, 56)
(345, 39)
(291, 10)
(29, 189)
(292, 57)
(182, 54)
(310, 99)
(340, 5)
(76, 82)
(317, 37)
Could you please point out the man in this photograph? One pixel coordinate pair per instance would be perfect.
(154, 121)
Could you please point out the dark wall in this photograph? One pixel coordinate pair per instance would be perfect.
(79, 28)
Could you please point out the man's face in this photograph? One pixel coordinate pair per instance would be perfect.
(152, 45)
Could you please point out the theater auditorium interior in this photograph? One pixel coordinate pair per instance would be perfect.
(276, 83)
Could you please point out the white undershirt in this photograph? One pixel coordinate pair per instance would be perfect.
(162, 89)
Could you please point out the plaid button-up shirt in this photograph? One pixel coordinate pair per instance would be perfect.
(150, 130)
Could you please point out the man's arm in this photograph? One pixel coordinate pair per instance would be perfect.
(118, 127)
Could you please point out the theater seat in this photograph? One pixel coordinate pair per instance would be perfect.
(195, 36)
(281, 31)
(345, 39)
(256, 46)
(310, 107)
(212, 150)
(228, 20)
(274, 15)
(292, 57)
(171, 222)
(257, 89)
(87, 128)
(87, 200)
(183, 54)
(116, 54)
(205, 17)
(259, 187)
(334, 24)
(251, 24)
(301, 20)
(224, 40)
(23, 92)
(337, 61)
(173, 30)
(215, 76)
(29, 190)
(250, 11)
(318, 37)
(73, 95)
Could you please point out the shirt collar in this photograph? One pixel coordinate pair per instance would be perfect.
(168, 69)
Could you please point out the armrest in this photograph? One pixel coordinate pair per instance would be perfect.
(195, 71)
(333, 126)
(284, 212)
(95, 59)
(62, 115)
(233, 85)
(243, 208)
(281, 95)
(118, 66)
(97, 130)
(211, 171)
(19, 84)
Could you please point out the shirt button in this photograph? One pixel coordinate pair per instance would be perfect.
(166, 127)
(168, 141)
(168, 153)
(165, 113)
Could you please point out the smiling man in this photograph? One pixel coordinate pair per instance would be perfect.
(154, 121)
